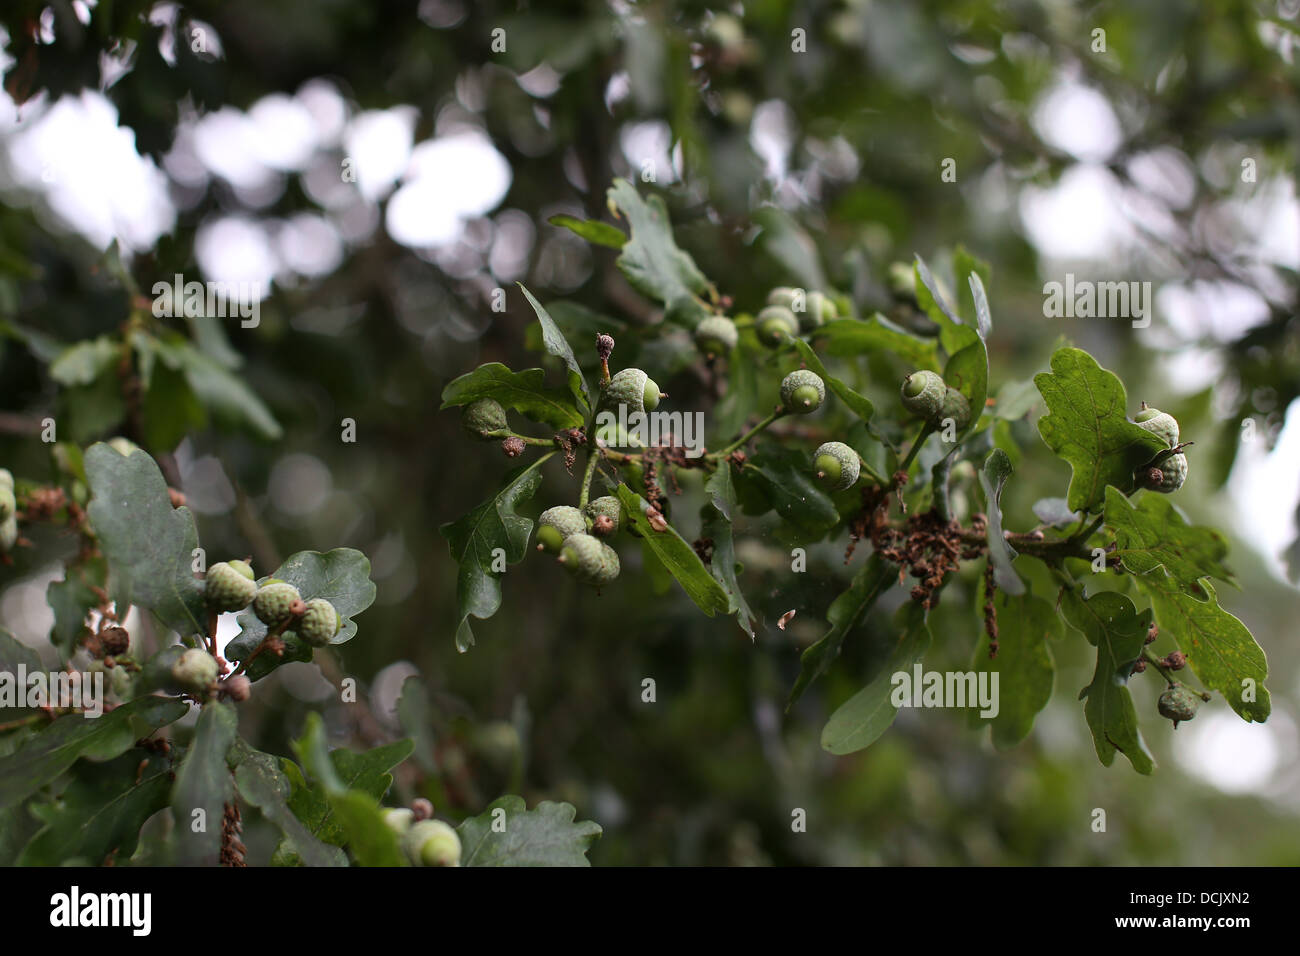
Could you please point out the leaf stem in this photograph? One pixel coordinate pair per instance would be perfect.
(1164, 671)
(906, 463)
(1086, 533)
(744, 439)
(526, 439)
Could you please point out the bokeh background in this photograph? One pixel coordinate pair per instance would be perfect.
(379, 169)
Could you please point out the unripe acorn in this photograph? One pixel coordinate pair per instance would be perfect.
(818, 309)
(776, 325)
(1178, 703)
(1158, 423)
(556, 524)
(431, 843)
(589, 559)
(274, 602)
(836, 465)
(398, 819)
(319, 623)
(633, 388)
(716, 335)
(195, 670)
(1166, 477)
(123, 446)
(606, 506)
(784, 296)
(8, 533)
(923, 393)
(229, 586)
(902, 280)
(802, 391)
(8, 503)
(956, 407)
(481, 418)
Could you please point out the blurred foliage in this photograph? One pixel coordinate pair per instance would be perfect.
(547, 702)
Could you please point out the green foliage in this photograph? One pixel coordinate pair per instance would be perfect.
(509, 834)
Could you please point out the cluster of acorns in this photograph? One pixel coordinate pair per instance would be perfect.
(788, 312)
(425, 841)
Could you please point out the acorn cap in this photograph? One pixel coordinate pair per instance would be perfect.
(802, 391)
(836, 465)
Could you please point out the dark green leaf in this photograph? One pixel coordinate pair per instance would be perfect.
(860, 405)
(787, 243)
(872, 580)
(1086, 426)
(1154, 534)
(721, 489)
(15, 655)
(49, 753)
(1112, 624)
(371, 841)
(341, 576)
(261, 782)
(556, 344)
(650, 260)
(677, 556)
(1023, 665)
(544, 836)
(853, 337)
(993, 478)
(415, 715)
(473, 539)
(204, 783)
(148, 543)
(785, 478)
(593, 230)
(717, 528)
(1220, 649)
(101, 812)
(526, 392)
(72, 599)
(861, 719)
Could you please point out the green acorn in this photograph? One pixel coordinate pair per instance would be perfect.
(716, 335)
(902, 280)
(195, 671)
(1166, 477)
(589, 559)
(818, 309)
(8, 533)
(121, 682)
(1178, 703)
(431, 843)
(606, 506)
(776, 325)
(923, 393)
(229, 586)
(785, 296)
(480, 419)
(633, 388)
(802, 392)
(556, 524)
(398, 819)
(1158, 423)
(956, 407)
(8, 503)
(836, 465)
(274, 601)
(319, 623)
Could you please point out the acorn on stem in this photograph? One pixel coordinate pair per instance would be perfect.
(319, 623)
(229, 586)
(1158, 423)
(482, 418)
(607, 507)
(837, 465)
(554, 525)
(923, 393)
(716, 335)
(776, 325)
(955, 407)
(589, 559)
(275, 602)
(633, 388)
(802, 391)
(1178, 703)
